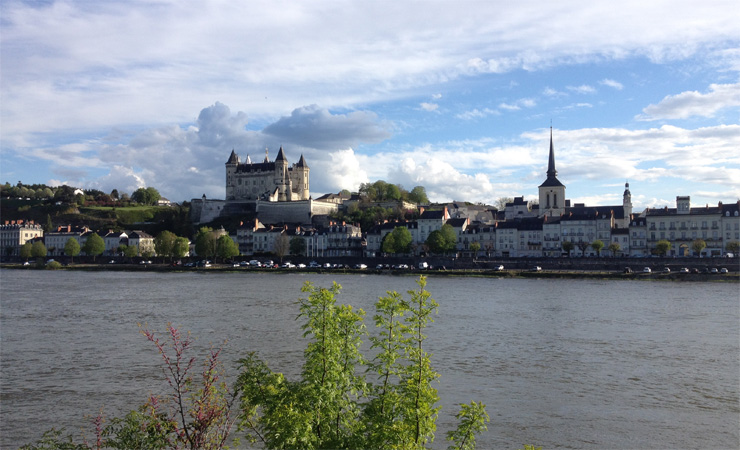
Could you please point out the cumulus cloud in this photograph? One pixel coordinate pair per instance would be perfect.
(312, 126)
(582, 89)
(692, 103)
(612, 84)
(431, 107)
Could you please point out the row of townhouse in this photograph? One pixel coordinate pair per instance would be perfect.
(15, 233)
(336, 239)
(635, 235)
(114, 240)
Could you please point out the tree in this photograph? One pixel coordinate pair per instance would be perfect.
(436, 242)
(49, 226)
(397, 241)
(733, 247)
(205, 242)
(181, 247)
(697, 245)
(582, 246)
(298, 246)
(226, 248)
(94, 246)
(38, 250)
(597, 245)
(662, 247)
(146, 196)
(72, 248)
(25, 252)
(114, 194)
(475, 248)
(568, 247)
(282, 246)
(502, 201)
(614, 248)
(418, 195)
(129, 251)
(164, 243)
(450, 237)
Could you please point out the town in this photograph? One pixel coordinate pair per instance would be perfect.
(278, 217)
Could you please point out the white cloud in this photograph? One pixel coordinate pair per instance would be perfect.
(582, 89)
(612, 84)
(476, 113)
(431, 107)
(693, 103)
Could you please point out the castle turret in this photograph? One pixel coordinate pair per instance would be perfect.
(231, 166)
(302, 171)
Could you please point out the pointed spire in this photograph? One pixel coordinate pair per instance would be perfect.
(551, 172)
(233, 158)
(267, 159)
(302, 162)
(280, 155)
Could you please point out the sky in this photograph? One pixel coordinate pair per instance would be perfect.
(456, 96)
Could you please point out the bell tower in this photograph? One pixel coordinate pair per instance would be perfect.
(552, 191)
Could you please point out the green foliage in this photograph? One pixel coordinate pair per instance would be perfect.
(397, 241)
(226, 248)
(298, 246)
(26, 250)
(614, 248)
(53, 440)
(597, 245)
(697, 245)
(733, 246)
(333, 405)
(38, 250)
(72, 247)
(341, 400)
(568, 247)
(662, 247)
(418, 195)
(475, 248)
(443, 240)
(146, 196)
(531, 447)
(205, 243)
(94, 245)
(164, 243)
(472, 418)
(53, 265)
(180, 247)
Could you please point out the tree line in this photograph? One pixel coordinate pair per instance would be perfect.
(72, 195)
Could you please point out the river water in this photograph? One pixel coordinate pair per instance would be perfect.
(559, 363)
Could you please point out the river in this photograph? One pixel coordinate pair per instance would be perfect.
(559, 363)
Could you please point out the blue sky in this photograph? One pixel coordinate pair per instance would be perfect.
(455, 96)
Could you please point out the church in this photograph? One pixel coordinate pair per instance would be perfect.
(274, 181)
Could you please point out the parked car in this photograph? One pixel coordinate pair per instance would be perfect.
(646, 270)
(301, 266)
(684, 270)
(627, 270)
(723, 270)
(694, 270)
(536, 269)
(499, 267)
(713, 270)
(666, 270)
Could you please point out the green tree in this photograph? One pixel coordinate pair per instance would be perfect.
(226, 248)
(146, 196)
(25, 252)
(597, 245)
(129, 251)
(418, 195)
(475, 248)
(205, 243)
(94, 246)
(398, 241)
(733, 247)
(72, 248)
(697, 245)
(436, 242)
(49, 226)
(298, 246)
(450, 237)
(38, 250)
(568, 247)
(662, 247)
(614, 248)
(181, 247)
(164, 243)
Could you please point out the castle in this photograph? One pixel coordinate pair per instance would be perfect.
(275, 190)
(273, 181)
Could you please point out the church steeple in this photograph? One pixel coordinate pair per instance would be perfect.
(551, 172)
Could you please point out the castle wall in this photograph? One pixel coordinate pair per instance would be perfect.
(292, 212)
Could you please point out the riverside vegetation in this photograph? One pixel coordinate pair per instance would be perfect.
(343, 399)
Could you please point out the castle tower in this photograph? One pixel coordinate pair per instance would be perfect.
(552, 191)
(302, 178)
(231, 164)
(282, 180)
(627, 200)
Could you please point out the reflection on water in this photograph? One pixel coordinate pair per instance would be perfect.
(559, 363)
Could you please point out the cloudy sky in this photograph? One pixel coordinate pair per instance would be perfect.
(456, 96)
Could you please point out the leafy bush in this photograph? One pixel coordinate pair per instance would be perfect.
(342, 399)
